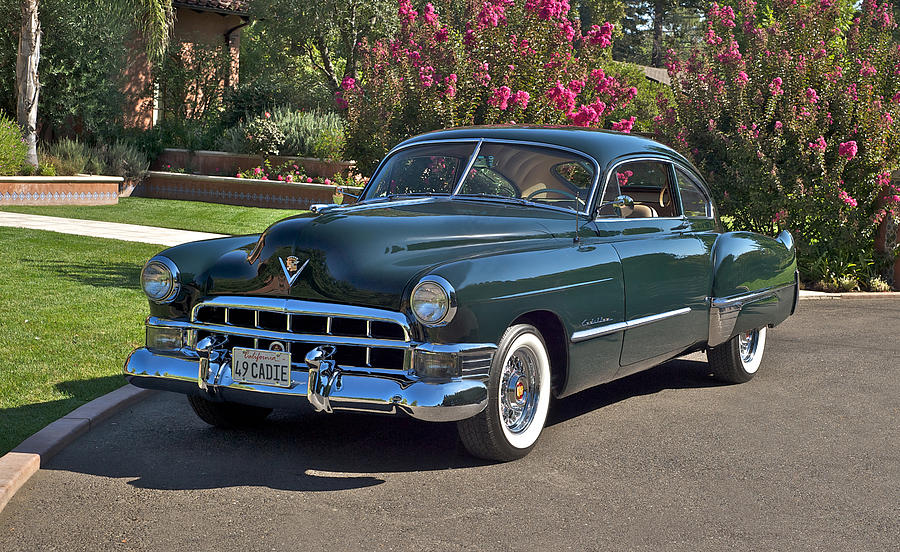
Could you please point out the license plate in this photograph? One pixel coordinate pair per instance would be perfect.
(261, 366)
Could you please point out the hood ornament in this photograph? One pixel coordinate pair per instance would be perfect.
(290, 268)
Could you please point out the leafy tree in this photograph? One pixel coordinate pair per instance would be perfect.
(154, 17)
(327, 33)
(651, 27)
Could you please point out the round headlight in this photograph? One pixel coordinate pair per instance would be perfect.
(433, 301)
(159, 279)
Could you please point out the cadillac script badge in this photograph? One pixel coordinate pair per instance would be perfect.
(290, 268)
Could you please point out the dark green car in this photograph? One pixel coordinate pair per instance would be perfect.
(482, 271)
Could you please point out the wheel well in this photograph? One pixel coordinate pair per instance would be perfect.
(554, 335)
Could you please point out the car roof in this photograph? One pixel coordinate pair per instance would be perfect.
(603, 145)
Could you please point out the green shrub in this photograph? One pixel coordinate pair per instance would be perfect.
(12, 147)
(61, 167)
(71, 154)
(311, 133)
(123, 159)
(264, 136)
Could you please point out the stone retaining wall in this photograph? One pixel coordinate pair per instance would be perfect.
(222, 163)
(59, 190)
(237, 191)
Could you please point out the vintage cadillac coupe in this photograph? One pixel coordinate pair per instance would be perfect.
(482, 271)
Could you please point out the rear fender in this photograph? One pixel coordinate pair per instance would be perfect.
(754, 283)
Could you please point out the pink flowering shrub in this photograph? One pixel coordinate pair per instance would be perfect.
(517, 61)
(793, 123)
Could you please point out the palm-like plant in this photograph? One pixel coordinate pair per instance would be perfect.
(153, 17)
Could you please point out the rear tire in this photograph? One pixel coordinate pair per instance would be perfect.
(518, 399)
(738, 359)
(227, 415)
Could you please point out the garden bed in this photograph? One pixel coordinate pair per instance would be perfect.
(238, 191)
(60, 190)
(225, 163)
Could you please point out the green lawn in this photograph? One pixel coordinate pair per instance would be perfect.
(71, 310)
(167, 213)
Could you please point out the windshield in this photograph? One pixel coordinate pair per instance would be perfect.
(499, 170)
(434, 169)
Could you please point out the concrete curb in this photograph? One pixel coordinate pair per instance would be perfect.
(804, 294)
(17, 466)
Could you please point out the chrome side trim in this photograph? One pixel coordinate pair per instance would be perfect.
(583, 335)
(548, 290)
(724, 311)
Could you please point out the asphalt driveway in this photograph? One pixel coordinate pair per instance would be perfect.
(804, 457)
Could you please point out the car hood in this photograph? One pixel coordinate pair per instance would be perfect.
(369, 254)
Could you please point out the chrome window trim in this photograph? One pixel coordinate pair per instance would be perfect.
(481, 141)
(583, 335)
(697, 181)
(672, 163)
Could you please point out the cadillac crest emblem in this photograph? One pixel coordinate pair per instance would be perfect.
(290, 268)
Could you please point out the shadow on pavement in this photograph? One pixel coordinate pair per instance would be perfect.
(162, 445)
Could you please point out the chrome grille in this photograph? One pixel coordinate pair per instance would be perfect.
(364, 338)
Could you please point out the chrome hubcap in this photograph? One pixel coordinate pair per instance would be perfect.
(519, 385)
(748, 342)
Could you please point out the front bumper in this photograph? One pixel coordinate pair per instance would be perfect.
(184, 371)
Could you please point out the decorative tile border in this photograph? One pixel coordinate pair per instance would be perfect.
(236, 191)
(59, 190)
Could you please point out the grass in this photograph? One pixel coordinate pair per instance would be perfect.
(167, 213)
(71, 311)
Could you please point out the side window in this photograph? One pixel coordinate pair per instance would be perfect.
(693, 200)
(648, 183)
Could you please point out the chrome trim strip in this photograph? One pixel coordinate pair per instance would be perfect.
(306, 338)
(469, 165)
(724, 311)
(558, 288)
(583, 335)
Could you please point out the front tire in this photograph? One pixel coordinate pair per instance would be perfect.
(738, 359)
(518, 399)
(227, 415)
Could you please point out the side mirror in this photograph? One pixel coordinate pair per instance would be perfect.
(623, 205)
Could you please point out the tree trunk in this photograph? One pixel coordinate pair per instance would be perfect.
(27, 85)
(656, 52)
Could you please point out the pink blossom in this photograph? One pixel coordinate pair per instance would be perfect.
(308, 179)
(600, 35)
(442, 34)
(426, 76)
(521, 99)
(327, 182)
(340, 101)
(623, 177)
(848, 149)
(257, 170)
(586, 115)
(406, 12)
(348, 83)
(280, 178)
(775, 87)
(811, 95)
(742, 78)
(548, 9)
(239, 175)
(429, 16)
(625, 125)
(500, 98)
(493, 13)
(778, 125)
(847, 198)
(819, 145)
(564, 97)
(779, 216)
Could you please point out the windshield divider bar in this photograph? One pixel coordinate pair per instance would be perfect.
(469, 166)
